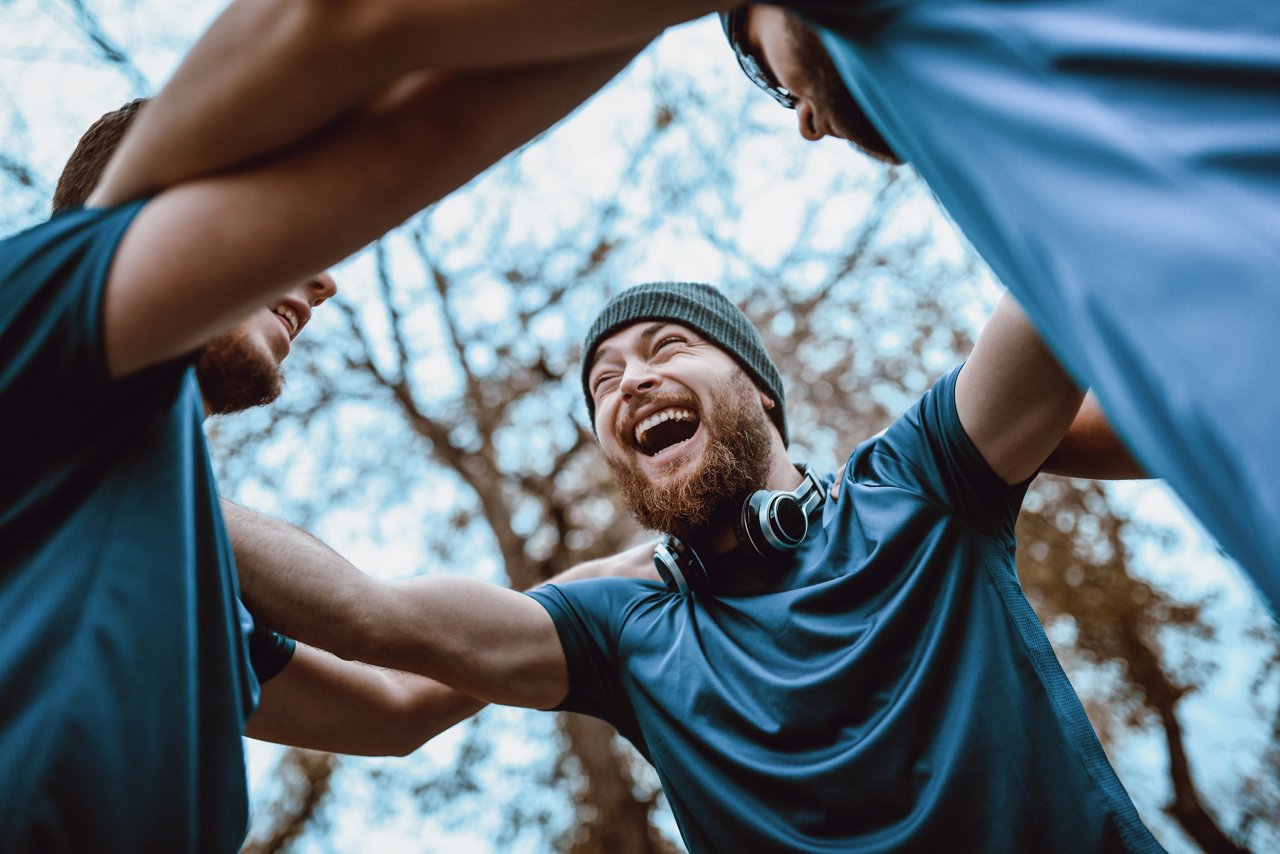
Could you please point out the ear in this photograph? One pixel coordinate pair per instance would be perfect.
(767, 402)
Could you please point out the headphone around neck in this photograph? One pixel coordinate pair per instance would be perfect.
(771, 523)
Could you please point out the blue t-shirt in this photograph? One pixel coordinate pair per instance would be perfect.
(1118, 166)
(124, 673)
(888, 689)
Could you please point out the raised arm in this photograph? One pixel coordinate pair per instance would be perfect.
(1014, 400)
(1092, 449)
(205, 252)
(270, 73)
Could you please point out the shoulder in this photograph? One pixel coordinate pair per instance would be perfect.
(910, 445)
(66, 236)
(597, 596)
(53, 276)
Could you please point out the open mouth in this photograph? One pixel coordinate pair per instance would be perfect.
(289, 316)
(665, 429)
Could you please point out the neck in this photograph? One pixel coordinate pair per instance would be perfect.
(783, 476)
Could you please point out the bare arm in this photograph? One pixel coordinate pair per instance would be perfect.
(206, 252)
(324, 703)
(635, 562)
(269, 73)
(1092, 449)
(487, 641)
(1014, 400)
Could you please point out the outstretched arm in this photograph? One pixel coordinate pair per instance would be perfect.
(324, 703)
(268, 74)
(206, 252)
(487, 641)
(1014, 400)
(635, 562)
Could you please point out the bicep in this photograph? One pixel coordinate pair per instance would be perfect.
(1013, 398)
(491, 642)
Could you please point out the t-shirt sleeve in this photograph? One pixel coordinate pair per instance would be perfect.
(588, 616)
(269, 651)
(53, 278)
(52, 368)
(928, 452)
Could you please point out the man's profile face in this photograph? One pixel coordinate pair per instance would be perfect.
(241, 367)
(797, 59)
(683, 428)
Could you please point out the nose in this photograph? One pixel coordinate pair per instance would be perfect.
(637, 378)
(808, 120)
(321, 288)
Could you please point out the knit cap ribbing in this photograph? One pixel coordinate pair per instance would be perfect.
(703, 309)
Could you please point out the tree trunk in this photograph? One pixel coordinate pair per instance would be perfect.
(611, 819)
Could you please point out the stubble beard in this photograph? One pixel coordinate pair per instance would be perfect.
(735, 462)
(830, 94)
(234, 375)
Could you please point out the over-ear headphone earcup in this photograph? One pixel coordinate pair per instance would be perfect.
(678, 565)
(772, 522)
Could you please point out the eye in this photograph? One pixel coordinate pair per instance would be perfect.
(601, 380)
(669, 340)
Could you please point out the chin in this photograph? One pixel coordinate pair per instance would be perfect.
(234, 375)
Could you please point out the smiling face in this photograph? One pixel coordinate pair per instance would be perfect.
(683, 428)
(241, 368)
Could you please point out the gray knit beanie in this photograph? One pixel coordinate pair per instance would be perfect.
(703, 309)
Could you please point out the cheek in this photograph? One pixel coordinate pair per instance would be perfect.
(268, 335)
(605, 426)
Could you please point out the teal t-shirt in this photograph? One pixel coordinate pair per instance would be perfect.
(1117, 163)
(124, 673)
(888, 689)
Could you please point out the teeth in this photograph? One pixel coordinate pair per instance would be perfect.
(657, 418)
(289, 316)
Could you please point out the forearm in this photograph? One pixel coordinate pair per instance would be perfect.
(485, 640)
(266, 74)
(323, 703)
(1092, 449)
(203, 254)
(296, 584)
(270, 73)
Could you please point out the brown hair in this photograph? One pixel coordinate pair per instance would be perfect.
(93, 152)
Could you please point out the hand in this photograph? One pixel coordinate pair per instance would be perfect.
(835, 486)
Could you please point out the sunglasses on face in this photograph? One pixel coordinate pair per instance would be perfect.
(735, 28)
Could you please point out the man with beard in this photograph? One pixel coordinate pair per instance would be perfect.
(860, 673)
(130, 667)
(1113, 162)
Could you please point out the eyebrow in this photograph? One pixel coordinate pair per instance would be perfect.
(646, 335)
